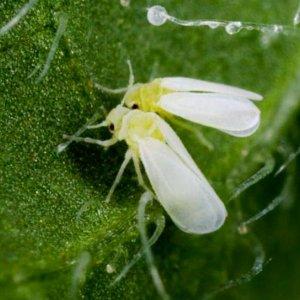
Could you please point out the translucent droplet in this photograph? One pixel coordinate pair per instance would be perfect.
(157, 15)
(213, 25)
(233, 27)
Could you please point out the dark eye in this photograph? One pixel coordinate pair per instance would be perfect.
(134, 106)
(111, 127)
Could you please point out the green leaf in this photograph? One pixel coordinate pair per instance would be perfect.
(57, 234)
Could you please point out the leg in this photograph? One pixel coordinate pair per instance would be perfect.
(145, 199)
(127, 159)
(63, 146)
(138, 171)
(106, 143)
(118, 90)
(102, 124)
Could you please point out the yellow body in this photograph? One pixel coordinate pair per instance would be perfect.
(145, 97)
(132, 125)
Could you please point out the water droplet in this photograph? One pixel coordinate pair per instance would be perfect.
(157, 15)
(233, 27)
(213, 25)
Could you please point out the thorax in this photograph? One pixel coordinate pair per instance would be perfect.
(146, 96)
(138, 125)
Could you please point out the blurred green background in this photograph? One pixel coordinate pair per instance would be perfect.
(56, 233)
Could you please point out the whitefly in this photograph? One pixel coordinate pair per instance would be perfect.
(227, 108)
(176, 181)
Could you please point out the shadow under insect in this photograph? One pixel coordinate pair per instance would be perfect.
(99, 166)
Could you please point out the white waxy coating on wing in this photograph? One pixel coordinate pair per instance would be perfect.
(228, 113)
(183, 84)
(182, 193)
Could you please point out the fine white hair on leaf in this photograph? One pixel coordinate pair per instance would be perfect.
(83, 209)
(118, 90)
(283, 197)
(160, 225)
(59, 33)
(259, 175)
(35, 70)
(258, 266)
(79, 274)
(145, 199)
(288, 105)
(296, 19)
(15, 20)
(271, 206)
(291, 157)
(154, 69)
(157, 15)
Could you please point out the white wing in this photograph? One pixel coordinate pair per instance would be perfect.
(177, 146)
(183, 84)
(232, 114)
(180, 191)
